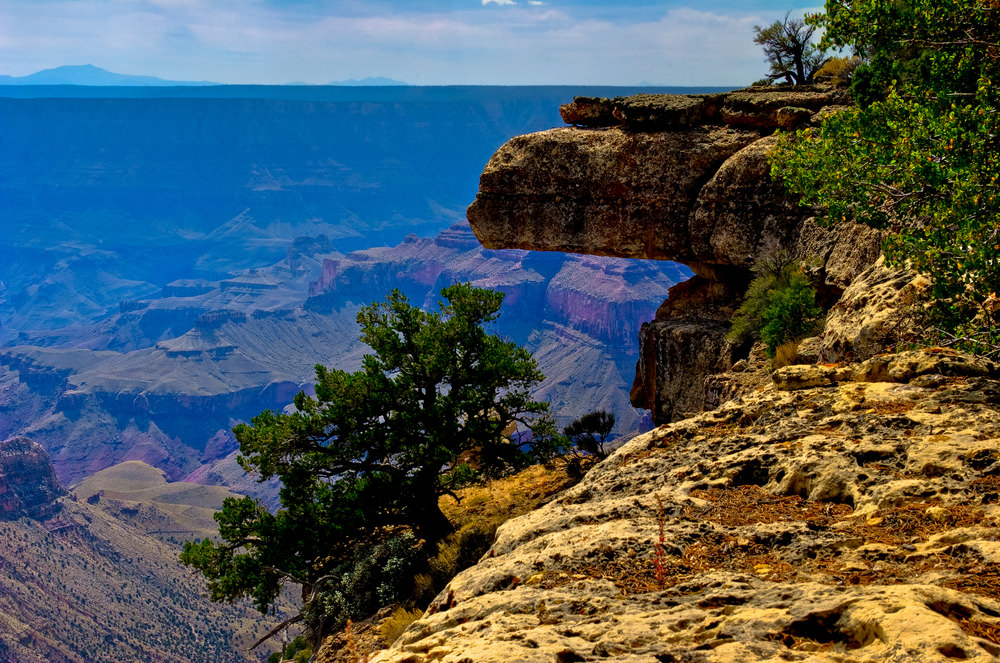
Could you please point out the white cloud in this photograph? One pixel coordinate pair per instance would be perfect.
(262, 41)
(536, 3)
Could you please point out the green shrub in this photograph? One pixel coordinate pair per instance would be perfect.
(779, 305)
(791, 313)
(372, 578)
(589, 433)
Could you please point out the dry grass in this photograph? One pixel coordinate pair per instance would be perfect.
(786, 354)
(499, 500)
(481, 509)
(397, 622)
(749, 505)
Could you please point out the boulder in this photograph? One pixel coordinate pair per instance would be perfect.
(589, 112)
(663, 112)
(765, 107)
(875, 313)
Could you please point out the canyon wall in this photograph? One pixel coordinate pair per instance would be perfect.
(28, 484)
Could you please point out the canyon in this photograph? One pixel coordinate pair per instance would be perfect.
(839, 508)
(179, 259)
(176, 261)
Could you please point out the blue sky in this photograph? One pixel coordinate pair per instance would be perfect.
(429, 42)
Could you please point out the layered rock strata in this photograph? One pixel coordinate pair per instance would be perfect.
(668, 177)
(844, 514)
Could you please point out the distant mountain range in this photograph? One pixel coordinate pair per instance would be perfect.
(88, 74)
(368, 82)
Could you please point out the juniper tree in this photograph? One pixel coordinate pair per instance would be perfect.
(369, 455)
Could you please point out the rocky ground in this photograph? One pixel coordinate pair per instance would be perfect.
(841, 512)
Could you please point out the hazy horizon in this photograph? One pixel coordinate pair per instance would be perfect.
(420, 42)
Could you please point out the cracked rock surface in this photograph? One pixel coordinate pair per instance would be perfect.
(851, 521)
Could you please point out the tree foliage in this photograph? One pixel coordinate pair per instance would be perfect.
(919, 155)
(365, 460)
(590, 433)
(791, 53)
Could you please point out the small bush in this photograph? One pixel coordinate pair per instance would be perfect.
(779, 305)
(397, 622)
(461, 550)
(589, 433)
(791, 313)
(373, 578)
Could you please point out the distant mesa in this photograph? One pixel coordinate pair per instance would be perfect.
(368, 82)
(28, 484)
(88, 74)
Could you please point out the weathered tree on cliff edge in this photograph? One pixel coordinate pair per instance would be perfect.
(367, 458)
(790, 50)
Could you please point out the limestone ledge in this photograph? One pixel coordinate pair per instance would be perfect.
(853, 522)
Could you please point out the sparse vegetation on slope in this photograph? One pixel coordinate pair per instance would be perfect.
(89, 584)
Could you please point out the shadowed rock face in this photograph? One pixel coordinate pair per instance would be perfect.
(28, 484)
(670, 177)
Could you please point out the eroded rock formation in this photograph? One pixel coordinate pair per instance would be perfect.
(667, 177)
(844, 509)
(28, 484)
(854, 521)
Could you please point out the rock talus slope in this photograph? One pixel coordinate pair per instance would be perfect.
(853, 522)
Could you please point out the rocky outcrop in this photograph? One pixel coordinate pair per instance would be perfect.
(28, 484)
(605, 192)
(853, 521)
(670, 177)
(876, 313)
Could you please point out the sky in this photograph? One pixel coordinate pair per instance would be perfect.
(422, 42)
